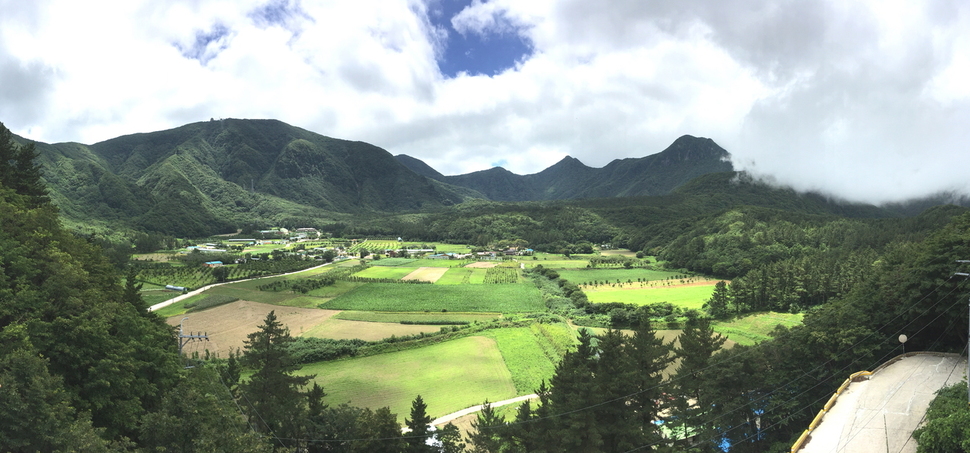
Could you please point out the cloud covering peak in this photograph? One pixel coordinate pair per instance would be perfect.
(861, 100)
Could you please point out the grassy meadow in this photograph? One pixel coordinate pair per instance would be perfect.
(756, 327)
(686, 297)
(612, 275)
(449, 376)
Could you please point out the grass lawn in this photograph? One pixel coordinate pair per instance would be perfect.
(449, 376)
(756, 327)
(686, 297)
(511, 298)
(416, 317)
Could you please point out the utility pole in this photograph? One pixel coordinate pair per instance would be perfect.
(185, 339)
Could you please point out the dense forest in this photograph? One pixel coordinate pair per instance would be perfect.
(85, 367)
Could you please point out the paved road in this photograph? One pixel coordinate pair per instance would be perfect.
(200, 290)
(879, 415)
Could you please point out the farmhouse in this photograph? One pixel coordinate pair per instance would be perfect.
(213, 264)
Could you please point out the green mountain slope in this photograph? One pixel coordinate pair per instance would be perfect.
(657, 174)
(213, 177)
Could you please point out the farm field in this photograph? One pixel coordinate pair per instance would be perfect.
(449, 376)
(619, 252)
(426, 274)
(463, 275)
(228, 325)
(756, 327)
(554, 263)
(587, 276)
(156, 295)
(529, 354)
(417, 317)
(395, 273)
(515, 298)
(420, 262)
(341, 329)
(690, 296)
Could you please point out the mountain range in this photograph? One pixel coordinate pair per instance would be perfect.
(215, 176)
(658, 174)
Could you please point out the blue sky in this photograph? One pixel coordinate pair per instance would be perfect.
(865, 100)
(476, 52)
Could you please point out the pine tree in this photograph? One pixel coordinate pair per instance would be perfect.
(419, 426)
(273, 395)
(717, 305)
(18, 170)
(485, 435)
(698, 343)
(570, 394)
(649, 356)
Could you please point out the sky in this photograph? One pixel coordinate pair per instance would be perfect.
(859, 100)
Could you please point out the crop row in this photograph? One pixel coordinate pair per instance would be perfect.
(442, 298)
(502, 275)
(194, 277)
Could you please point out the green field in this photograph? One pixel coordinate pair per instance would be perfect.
(392, 261)
(416, 317)
(449, 376)
(463, 275)
(523, 357)
(582, 276)
(179, 307)
(393, 273)
(153, 297)
(341, 329)
(756, 327)
(512, 298)
(686, 297)
(554, 263)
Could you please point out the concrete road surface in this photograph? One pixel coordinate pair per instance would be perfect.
(880, 414)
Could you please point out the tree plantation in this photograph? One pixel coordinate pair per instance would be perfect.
(625, 316)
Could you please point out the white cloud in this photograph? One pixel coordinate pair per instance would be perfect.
(862, 100)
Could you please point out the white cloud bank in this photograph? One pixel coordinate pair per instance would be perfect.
(861, 100)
